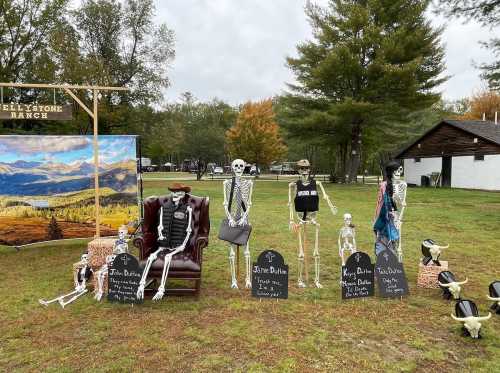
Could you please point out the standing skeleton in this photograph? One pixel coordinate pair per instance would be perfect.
(399, 198)
(120, 247)
(80, 278)
(306, 204)
(347, 237)
(166, 234)
(242, 200)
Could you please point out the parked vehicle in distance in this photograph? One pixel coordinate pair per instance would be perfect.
(147, 166)
(285, 168)
(251, 170)
(218, 171)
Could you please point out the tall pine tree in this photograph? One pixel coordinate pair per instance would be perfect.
(371, 63)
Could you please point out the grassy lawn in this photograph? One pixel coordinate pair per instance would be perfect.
(227, 330)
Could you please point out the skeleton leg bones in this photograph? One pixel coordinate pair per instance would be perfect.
(300, 232)
(248, 282)
(149, 262)
(167, 259)
(316, 257)
(232, 256)
(101, 275)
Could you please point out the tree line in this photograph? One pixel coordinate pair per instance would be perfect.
(365, 84)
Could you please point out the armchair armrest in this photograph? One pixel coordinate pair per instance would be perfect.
(201, 242)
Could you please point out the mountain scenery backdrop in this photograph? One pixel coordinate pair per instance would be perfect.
(53, 176)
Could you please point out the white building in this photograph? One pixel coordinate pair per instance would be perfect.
(457, 153)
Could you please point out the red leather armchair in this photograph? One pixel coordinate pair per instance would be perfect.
(185, 265)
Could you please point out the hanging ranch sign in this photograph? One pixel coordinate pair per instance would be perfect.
(36, 111)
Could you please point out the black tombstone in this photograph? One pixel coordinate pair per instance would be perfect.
(123, 279)
(390, 275)
(357, 276)
(270, 276)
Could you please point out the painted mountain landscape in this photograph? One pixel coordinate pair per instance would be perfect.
(47, 186)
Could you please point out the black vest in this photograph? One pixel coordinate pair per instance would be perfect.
(84, 273)
(175, 222)
(306, 199)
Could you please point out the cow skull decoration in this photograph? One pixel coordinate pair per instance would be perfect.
(466, 312)
(494, 295)
(431, 252)
(449, 285)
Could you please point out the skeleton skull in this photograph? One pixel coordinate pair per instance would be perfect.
(238, 166)
(122, 232)
(347, 219)
(178, 195)
(398, 172)
(304, 168)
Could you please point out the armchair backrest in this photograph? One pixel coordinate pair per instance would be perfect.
(200, 224)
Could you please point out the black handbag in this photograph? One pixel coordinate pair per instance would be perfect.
(239, 234)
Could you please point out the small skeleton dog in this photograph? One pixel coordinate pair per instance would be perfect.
(242, 200)
(347, 237)
(120, 247)
(174, 231)
(306, 203)
(81, 277)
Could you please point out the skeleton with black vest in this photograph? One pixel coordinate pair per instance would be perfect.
(174, 231)
(81, 276)
(242, 201)
(306, 203)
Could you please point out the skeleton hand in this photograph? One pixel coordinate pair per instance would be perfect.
(334, 209)
(243, 220)
(294, 227)
(98, 295)
(159, 294)
(232, 222)
(140, 290)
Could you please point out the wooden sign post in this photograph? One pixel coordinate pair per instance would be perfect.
(69, 89)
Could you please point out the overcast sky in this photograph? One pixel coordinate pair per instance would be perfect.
(235, 49)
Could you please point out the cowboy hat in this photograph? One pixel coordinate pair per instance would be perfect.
(177, 187)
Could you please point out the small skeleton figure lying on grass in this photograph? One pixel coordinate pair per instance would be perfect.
(120, 247)
(81, 277)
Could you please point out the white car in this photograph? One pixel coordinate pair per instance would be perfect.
(218, 171)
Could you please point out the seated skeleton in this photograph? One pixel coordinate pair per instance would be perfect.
(174, 231)
(120, 247)
(81, 277)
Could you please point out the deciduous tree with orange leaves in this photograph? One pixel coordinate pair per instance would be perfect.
(485, 102)
(255, 136)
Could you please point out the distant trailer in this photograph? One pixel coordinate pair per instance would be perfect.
(457, 154)
(38, 204)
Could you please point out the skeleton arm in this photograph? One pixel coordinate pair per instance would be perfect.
(291, 189)
(226, 204)
(244, 218)
(332, 207)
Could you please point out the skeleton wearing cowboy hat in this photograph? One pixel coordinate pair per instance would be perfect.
(174, 230)
(306, 205)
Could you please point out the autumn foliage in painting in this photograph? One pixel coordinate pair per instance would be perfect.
(255, 136)
(485, 102)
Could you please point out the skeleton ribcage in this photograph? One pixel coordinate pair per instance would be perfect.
(241, 194)
(399, 195)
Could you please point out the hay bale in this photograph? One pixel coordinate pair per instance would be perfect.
(428, 275)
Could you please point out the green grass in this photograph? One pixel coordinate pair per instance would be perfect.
(227, 330)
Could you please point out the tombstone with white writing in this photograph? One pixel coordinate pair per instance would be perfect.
(123, 279)
(357, 276)
(270, 276)
(390, 275)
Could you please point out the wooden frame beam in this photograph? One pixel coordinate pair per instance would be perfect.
(62, 86)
